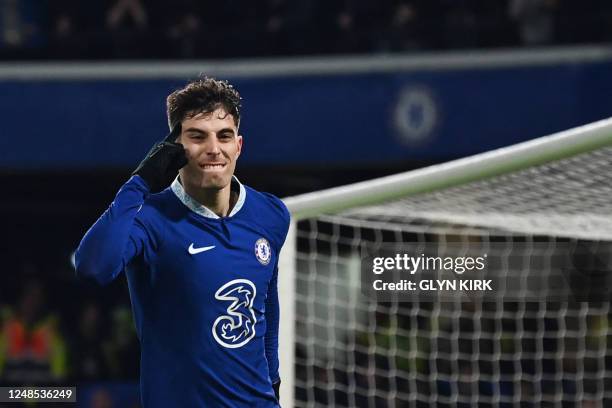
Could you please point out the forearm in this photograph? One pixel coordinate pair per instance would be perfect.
(109, 245)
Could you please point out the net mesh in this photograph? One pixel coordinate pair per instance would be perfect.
(352, 351)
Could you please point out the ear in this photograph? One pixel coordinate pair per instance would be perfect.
(239, 141)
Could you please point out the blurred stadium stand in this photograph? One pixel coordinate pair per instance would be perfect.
(72, 133)
(128, 29)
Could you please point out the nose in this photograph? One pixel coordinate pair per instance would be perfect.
(212, 147)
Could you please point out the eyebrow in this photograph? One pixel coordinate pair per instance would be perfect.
(196, 130)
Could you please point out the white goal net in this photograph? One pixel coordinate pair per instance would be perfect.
(353, 350)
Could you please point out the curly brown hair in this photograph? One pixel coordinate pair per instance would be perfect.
(203, 95)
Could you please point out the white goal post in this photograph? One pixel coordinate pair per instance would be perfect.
(491, 165)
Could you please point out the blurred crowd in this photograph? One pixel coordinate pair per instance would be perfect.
(47, 339)
(132, 29)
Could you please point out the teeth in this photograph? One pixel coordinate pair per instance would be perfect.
(213, 166)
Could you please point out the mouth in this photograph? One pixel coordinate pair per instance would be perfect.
(212, 166)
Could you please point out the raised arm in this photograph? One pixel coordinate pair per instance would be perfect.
(115, 238)
(118, 235)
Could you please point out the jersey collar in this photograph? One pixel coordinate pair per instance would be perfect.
(196, 207)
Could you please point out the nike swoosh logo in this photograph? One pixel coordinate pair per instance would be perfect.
(194, 251)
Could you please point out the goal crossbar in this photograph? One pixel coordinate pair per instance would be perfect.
(481, 166)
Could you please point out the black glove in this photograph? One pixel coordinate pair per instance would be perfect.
(162, 163)
(276, 387)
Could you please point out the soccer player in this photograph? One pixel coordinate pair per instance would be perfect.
(201, 259)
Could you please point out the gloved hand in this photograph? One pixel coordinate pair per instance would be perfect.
(276, 387)
(161, 165)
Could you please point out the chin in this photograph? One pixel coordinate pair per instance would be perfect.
(198, 179)
(216, 182)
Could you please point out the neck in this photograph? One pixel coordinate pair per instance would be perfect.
(218, 201)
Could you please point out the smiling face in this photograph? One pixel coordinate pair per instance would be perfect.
(212, 146)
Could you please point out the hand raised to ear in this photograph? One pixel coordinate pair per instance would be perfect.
(161, 165)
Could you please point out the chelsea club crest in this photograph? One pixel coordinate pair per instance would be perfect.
(263, 253)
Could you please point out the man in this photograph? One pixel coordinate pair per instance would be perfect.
(32, 347)
(201, 260)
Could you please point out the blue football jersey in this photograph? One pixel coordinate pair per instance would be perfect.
(203, 291)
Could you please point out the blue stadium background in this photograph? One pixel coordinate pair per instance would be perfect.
(424, 91)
